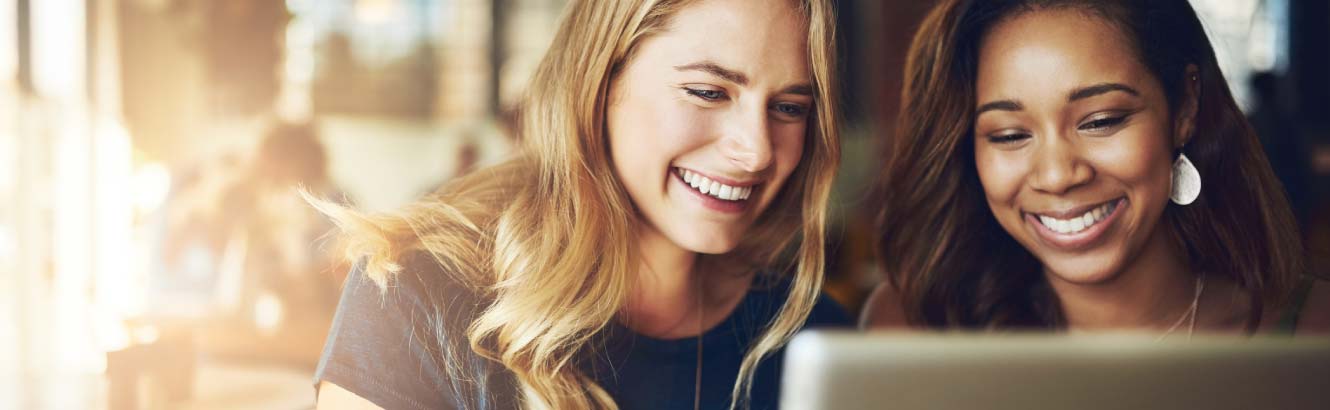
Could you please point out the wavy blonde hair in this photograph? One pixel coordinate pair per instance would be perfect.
(547, 239)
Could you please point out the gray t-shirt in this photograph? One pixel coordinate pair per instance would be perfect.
(385, 349)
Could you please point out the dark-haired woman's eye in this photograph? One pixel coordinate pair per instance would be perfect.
(705, 94)
(1101, 124)
(1008, 138)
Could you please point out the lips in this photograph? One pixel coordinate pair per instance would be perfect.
(1078, 228)
(713, 188)
(719, 194)
(1080, 222)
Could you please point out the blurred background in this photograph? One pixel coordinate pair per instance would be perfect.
(153, 251)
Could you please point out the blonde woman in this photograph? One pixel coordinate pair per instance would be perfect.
(676, 152)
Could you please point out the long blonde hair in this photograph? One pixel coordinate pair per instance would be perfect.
(546, 239)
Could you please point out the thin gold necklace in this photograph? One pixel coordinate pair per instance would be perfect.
(1191, 313)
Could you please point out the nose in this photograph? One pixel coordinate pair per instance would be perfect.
(1059, 167)
(747, 140)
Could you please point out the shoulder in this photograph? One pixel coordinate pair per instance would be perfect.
(883, 310)
(420, 289)
(398, 342)
(1315, 315)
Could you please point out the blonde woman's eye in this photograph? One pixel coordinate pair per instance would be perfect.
(790, 109)
(709, 95)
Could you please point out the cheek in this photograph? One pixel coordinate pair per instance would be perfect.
(1142, 161)
(681, 127)
(646, 134)
(788, 142)
(1000, 174)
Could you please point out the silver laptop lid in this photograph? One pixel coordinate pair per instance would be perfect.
(847, 370)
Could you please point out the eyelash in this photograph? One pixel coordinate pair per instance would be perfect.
(1103, 123)
(1007, 138)
(1093, 125)
(708, 95)
(799, 110)
(796, 110)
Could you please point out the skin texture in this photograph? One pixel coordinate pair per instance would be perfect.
(334, 397)
(725, 91)
(1057, 142)
(668, 110)
(1038, 150)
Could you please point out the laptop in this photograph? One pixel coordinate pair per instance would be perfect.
(914, 371)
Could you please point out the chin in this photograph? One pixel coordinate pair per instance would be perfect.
(707, 243)
(1081, 272)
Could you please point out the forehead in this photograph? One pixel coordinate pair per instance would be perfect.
(1047, 53)
(766, 39)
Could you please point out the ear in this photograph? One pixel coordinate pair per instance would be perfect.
(1184, 125)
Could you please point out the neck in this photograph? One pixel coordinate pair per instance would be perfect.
(1151, 292)
(664, 299)
(671, 298)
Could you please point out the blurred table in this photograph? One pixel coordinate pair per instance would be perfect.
(48, 361)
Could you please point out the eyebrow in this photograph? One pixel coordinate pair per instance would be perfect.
(1099, 89)
(1003, 105)
(801, 89)
(1077, 94)
(716, 70)
(739, 78)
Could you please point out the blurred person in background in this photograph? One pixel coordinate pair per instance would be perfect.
(283, 230)
(654, 245)
(1082, 165)
(239, 232)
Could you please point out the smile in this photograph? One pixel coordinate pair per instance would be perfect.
(1078, 228)
(1081, 222)
(713, 188)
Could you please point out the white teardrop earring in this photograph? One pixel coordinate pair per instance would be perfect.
(1186, 181)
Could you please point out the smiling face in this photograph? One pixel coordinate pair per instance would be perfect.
(1073, 143)
(707, 121)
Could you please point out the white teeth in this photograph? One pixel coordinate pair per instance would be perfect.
(1078, 223)
(716, 189)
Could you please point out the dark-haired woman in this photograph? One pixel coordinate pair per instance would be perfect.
(1082, 165)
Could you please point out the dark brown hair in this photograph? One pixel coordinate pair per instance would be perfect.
(946, 255)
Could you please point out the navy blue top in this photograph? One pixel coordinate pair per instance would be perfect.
(384, 350)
